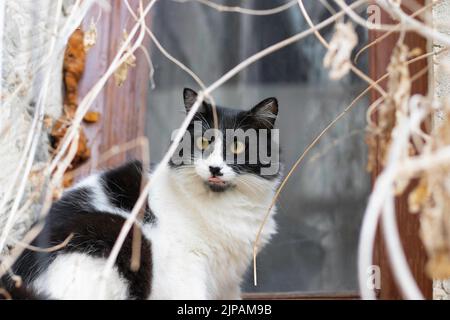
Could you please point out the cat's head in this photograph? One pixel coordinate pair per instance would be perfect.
(241, 153)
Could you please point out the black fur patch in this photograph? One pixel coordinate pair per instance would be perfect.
(94, 233)
(123, 185)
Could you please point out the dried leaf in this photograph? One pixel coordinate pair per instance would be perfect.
(417, 198)
(399, 83)
(438, 266)
(393, 106)
(121, 73)
(48, 121)
(92, 117)
(432, 198)
(73, 68)
(400, 185)
(341, 46)
(90, 37)
(74, 64)
(58, 132)
(68, 179)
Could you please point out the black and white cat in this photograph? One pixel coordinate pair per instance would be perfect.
(199, 227)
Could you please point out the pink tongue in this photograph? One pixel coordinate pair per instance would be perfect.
(215, 180)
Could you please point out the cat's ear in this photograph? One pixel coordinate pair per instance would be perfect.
(190, 96)
(265, 113)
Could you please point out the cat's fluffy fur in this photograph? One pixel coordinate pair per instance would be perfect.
(197, 236)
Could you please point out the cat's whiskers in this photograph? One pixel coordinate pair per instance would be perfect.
(247, 186)
(252, 187)
(254, 182)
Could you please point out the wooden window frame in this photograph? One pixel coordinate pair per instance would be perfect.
(123, 111)
(408, 223)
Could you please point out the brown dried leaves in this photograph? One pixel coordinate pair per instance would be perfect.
(121, 73)
(74, 64)
(337, 58)
(73, 69)
(395, 105)
(431, 195)
(58, 132)
(432, 198)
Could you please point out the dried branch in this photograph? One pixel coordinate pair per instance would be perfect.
(32, 142)
(5, 294)
(235, 9)
(7, 261)
(326, 45)
(397, 28)
(409, 23)
(58, 41)
(45, 250)
(2, 23)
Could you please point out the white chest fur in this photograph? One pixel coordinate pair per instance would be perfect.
(202, 242)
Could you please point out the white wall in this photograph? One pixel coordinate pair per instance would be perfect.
(441, 82)
(26, 39)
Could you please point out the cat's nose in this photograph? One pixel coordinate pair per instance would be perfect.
(215, 171)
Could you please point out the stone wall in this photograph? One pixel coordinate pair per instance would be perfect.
(441, 82)
(28, 26)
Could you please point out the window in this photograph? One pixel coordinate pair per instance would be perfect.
(320, 210)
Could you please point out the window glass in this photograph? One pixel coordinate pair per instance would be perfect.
(320, 209)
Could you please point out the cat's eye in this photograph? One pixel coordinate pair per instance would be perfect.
(202, 143)
(237, 147)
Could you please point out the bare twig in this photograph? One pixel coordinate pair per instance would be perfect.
(7, 261)
(2, 23)
(32, 139)
(413, 24)
(45, 250)
(151, 74)
(241, 10)
(387, 34)
(358, 72)
(57, 43)
(5, 294)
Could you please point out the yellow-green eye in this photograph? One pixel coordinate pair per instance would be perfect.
(202, 143)
(237, 147)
